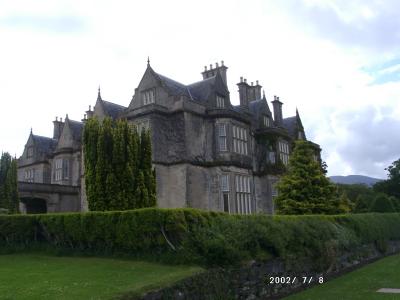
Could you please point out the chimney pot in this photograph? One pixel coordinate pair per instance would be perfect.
(205, 68)
(241, 78)
(90, 107)
(60, 119)
(216, 65)
(252, 83)
(222, 62)
(211, 67)
(245, 80)
(56, 119)
(256, 82)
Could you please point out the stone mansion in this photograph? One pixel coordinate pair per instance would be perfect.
(207, 152)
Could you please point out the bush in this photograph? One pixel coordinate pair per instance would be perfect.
(195, 236)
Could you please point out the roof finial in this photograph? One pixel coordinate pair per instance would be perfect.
(31, 130)
(148, 60)
(98, 94)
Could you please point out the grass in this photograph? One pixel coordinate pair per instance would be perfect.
(37, 276)
(359, 284)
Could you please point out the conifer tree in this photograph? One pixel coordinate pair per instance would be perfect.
(305, 189)
(9, 199)
(90, 140)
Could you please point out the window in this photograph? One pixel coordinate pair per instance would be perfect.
(271, 157)
(315, 157)
(239, 140)
(300, 135)
(29, 175)
(220, 102)
(29, 152)
(267, 121)
(65, 169)
(222, 137)
(58, 169)
(224, 182)
(243, 194)
(61, 169)
(148, 97)
(284, 152)
(140, 125)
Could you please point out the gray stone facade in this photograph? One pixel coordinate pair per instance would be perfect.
(207, 153)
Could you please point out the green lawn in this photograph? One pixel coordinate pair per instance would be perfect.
(359, 284)
(36, 276)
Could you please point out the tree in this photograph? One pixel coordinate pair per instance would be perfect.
(304, 189)
(382, 203)
(9, 199)
(391, 186)
(118, 166)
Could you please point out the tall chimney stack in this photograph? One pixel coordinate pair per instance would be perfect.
(212, 72)
(277, 106)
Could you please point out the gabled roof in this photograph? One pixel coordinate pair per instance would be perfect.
(258, 106)
(76, 129)
(175, 87)
(44, 144)
(201, 90)
(112, 109)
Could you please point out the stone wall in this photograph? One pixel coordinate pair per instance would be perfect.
(253, 281)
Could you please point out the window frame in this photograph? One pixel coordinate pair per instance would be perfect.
(148, 96)
(220, 101)
(222, 137)
(243, 194)
(240, 139)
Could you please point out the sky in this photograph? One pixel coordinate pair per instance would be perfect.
(337, 61)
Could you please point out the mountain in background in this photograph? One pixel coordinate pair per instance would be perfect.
(355, 179)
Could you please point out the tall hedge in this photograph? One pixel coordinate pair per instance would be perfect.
(194, 236)
(118, 167)
(9, 200)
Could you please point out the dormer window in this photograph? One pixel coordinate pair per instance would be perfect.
(29, 152)
(148, 96)
(266, 121)
(220, 101)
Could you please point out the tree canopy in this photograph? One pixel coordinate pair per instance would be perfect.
(391, 186)
(305, 189)
(118, 167)
(9, 200)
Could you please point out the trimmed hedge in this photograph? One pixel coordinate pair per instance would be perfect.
(195, 236)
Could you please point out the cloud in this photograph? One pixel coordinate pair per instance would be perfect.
(54, 24)
(371, 25)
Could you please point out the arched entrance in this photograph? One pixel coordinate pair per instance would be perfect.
(35, 205)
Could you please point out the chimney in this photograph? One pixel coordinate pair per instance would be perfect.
(243, 92)
(89, 113)
(58, 127)
(212, 72)
(254, 91)
(277, 106)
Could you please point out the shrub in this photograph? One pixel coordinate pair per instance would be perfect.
(195, 236)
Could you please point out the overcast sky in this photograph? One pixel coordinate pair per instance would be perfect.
(337, 61)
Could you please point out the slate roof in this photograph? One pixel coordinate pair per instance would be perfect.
(44, 144)
(291, 125)
(198, 91)
(201, 90)
(113, 109)
(256, 106)
(76, 129)
(175, 87)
